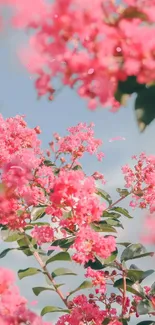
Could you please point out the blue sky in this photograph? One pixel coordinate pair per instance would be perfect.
(18, 96)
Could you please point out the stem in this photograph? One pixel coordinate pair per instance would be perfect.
(124, 293)
(43, 267)
(119, 200)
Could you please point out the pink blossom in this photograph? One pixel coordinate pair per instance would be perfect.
(42, 234)
(89, 244)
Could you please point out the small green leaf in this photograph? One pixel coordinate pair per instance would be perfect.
(114, 222)
(130, 85)
(104, 195)
(152, 291)
(27, 272)
(23, 246)
(110, 214)
(10, 236)
(62, 243)
(4, 253)
(48, 163)
(130, 287)
(126, 244)
(102, 227)
(134, 251)
(96, 265)
(122, 192)
(37, 213)
(52, 309)
(38, 290)
(145, 307)
(77, 167)
(62, 271)
(135, 275)
(106, 321)
(145, 107)
(111, 258)
(146, 322)
(84, 285)
(62, 256)
(122, 211)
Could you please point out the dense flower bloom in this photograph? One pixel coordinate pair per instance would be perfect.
(141, 181)
(89, 244)
(98, 279)
(82, 312)
(75, 193)
(13, 307)
(149, 227)
(43, 234)
(90, 50)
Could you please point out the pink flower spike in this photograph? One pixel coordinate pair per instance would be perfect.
(54, 248)
(34, 302)
(116, 139)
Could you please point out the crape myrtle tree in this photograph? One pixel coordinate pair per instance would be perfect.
(49, 206)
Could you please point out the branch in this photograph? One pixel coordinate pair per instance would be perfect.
(43, 267)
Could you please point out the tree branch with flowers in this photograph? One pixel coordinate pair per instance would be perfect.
(49, 206)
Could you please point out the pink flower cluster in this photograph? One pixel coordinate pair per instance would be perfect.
(88, 48)
(141, 181)
(82, 312)
(75, 193)
(20, 162)
(98, 279)
(13, 307)
(80, 140)
(89, 244)
(149, 226)
(42, 234)
(67, 194)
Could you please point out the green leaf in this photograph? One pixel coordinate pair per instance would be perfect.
(52, 309)
(62, 271)
(84, 285)
(146, 274)
(102, 227)
(96, 265)
(110, 214)
(152, 291)
(130, 85)
(145, 307)
(145, 107)
(48, 163)
(62, 256)
(146, 322)
(135, 275)
(122, 192)
(63, 243)
(104, 195)
(134, 251)
(77, 167)
(4, 253)
(121, 98)
(111, 258)
(38, 290)
(126, 244)
(114, 222)
(106, 321)
(37, 213)
(122, 211)
(27, 272)
(23, 246)
(130, 287)
(10, 236)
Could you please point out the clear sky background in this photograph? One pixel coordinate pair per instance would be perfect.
(18, 96)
